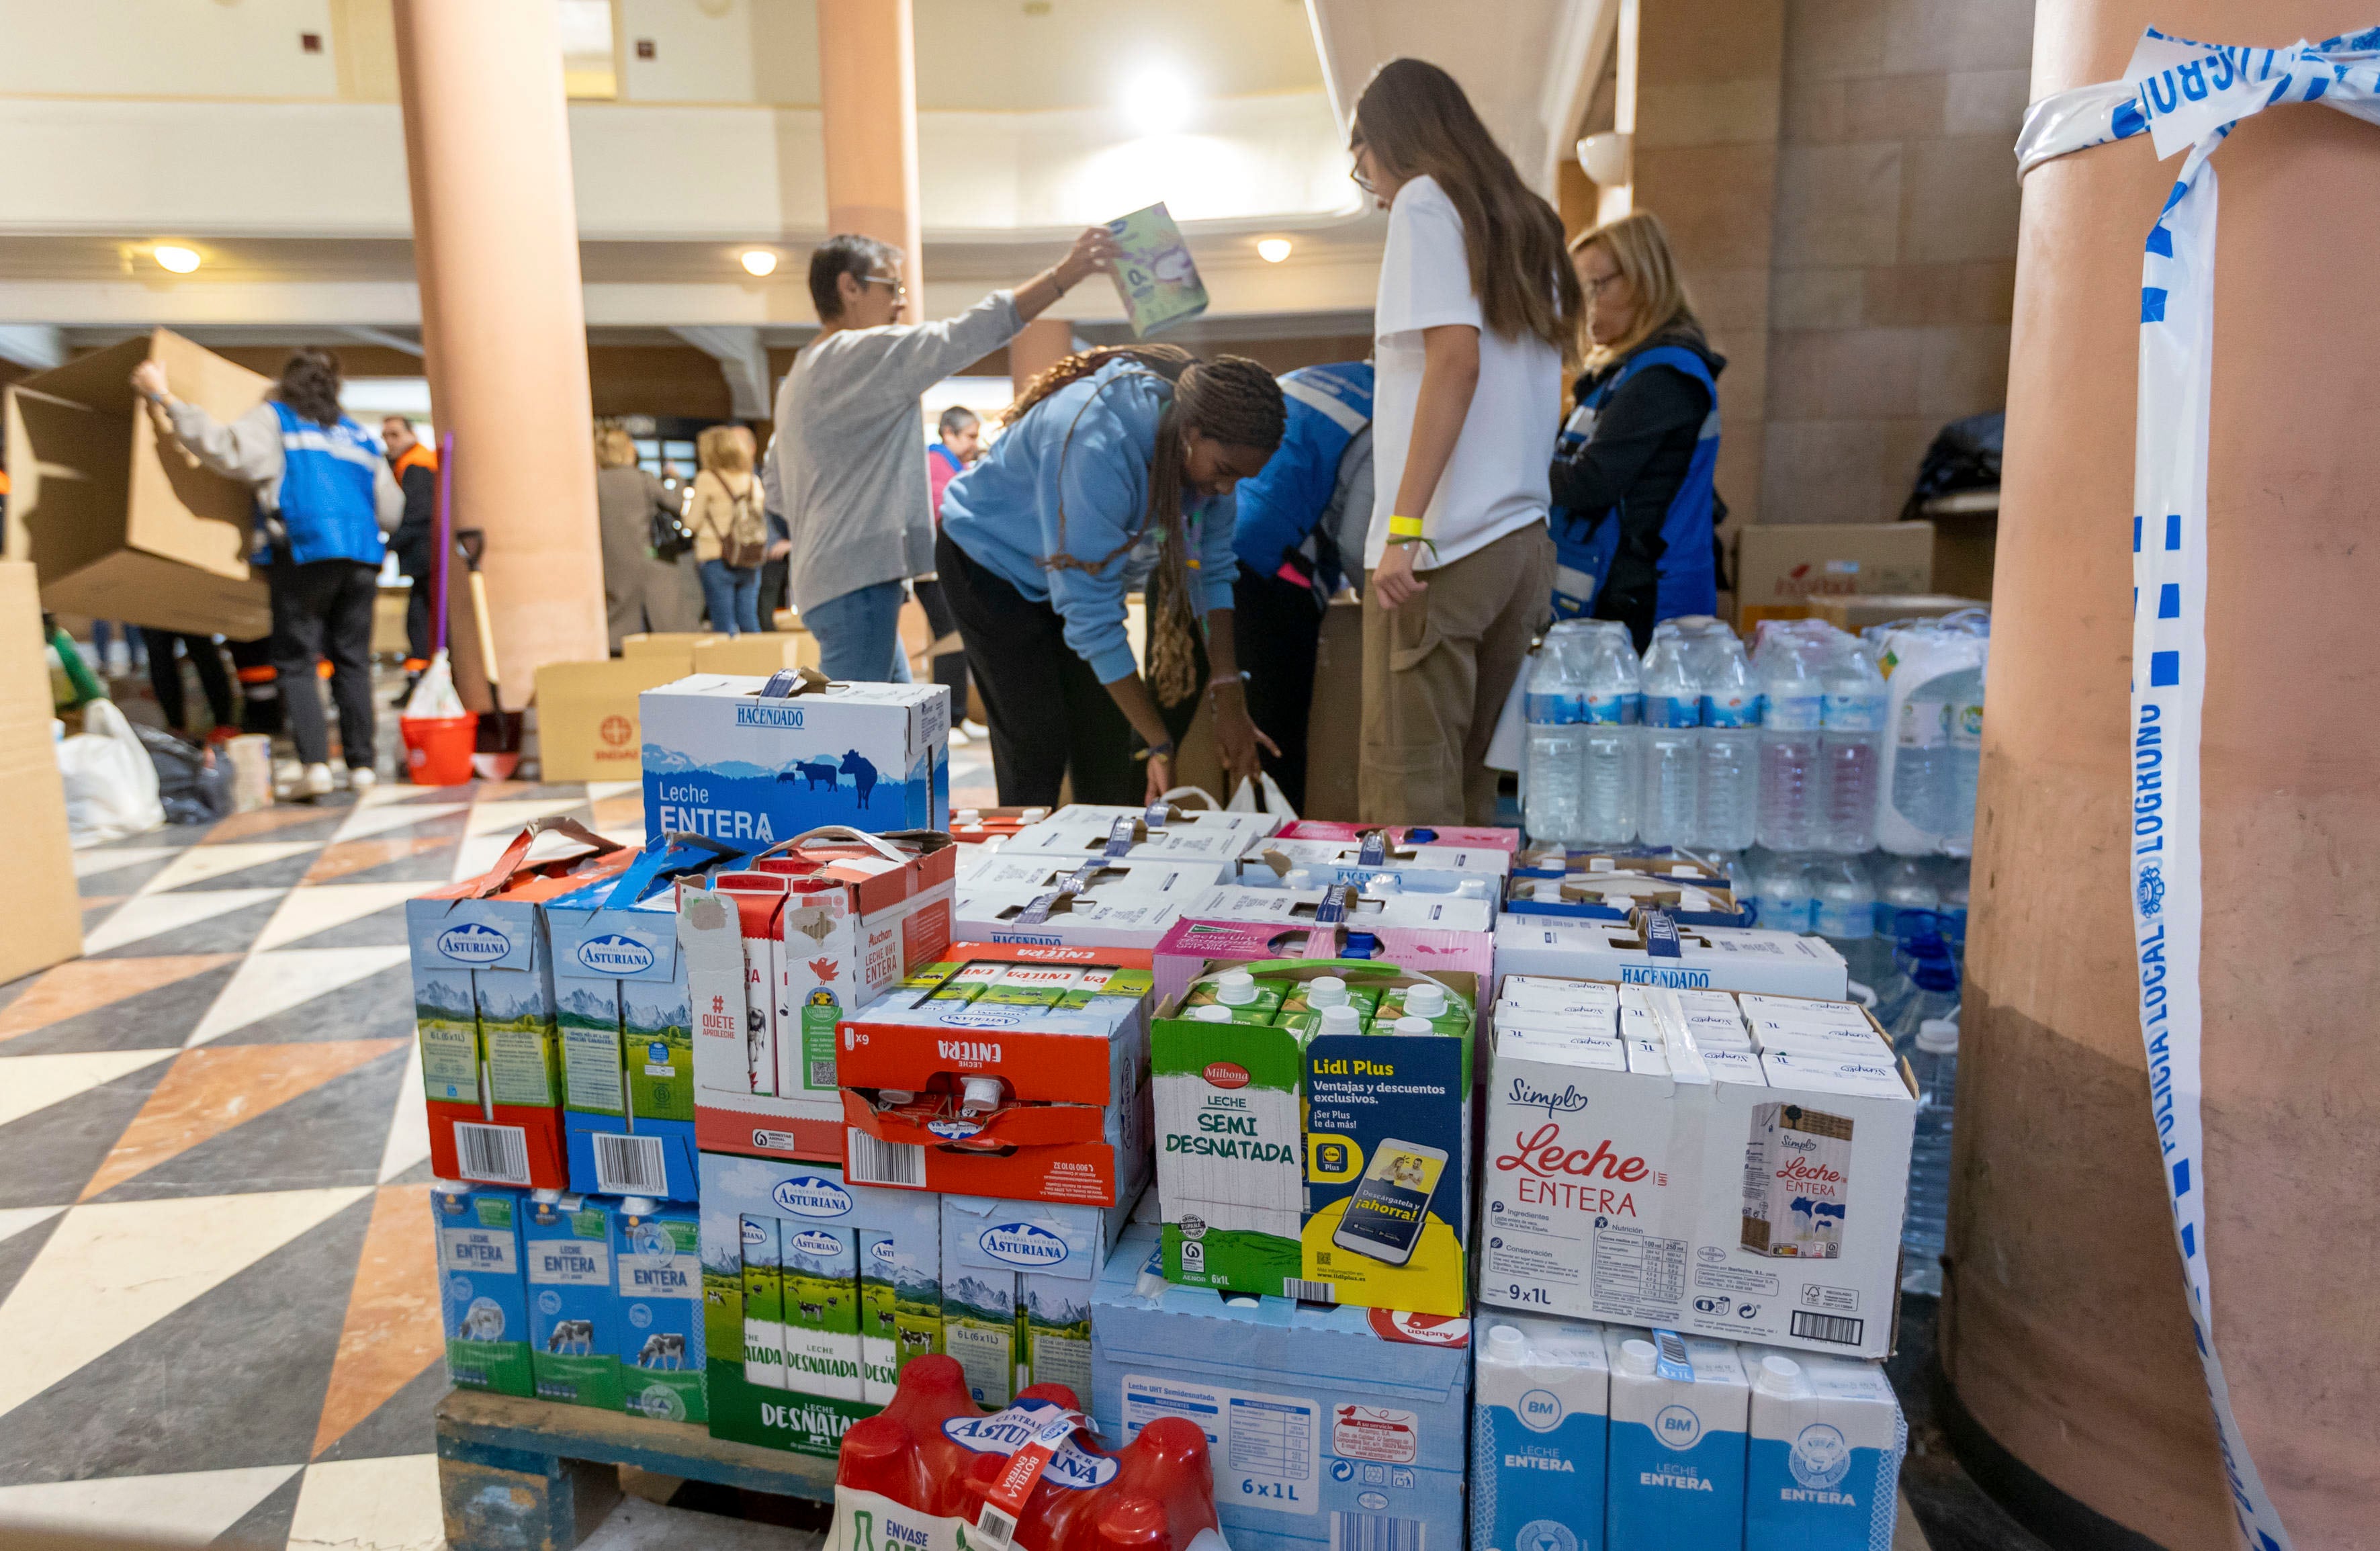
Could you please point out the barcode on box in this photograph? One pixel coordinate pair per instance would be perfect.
(870, 1162)
(1311, 1293)
(496, 1154)
(994, 1526)
(629, 1165)
(1373, 1532)
(1827, 1328)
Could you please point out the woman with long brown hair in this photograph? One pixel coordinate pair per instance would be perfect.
(731, 534)
(1115, 472)
(1477, 303)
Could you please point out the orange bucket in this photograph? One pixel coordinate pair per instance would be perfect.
(438, 748)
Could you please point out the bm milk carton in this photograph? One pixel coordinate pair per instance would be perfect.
(654, 1252)
(1540, 1432)
(482, 1296)
(1827, 1442)
(573, 1312)
(1679, 1407)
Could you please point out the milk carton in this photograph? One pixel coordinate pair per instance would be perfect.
(764, 1303)
(725, 757)
(1017, 1290)
(573, 1314)
(482, 1296)
(1824, 1465)
(822, 1311)
(1540, 1425)
(659, 1279)
(1797, 1182)
(1680, 1405)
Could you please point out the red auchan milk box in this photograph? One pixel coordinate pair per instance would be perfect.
(776, 954)
(1007, 1069)
(1740, 1170)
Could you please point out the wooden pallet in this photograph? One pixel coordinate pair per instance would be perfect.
(530, 1475)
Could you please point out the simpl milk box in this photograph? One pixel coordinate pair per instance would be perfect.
(1697, 1193)
(658, 1269)
(898, 1239)
(1331, 1428)
(1017, 1290)
(723, 757)
(573, 1308)
(482, 1297)
(1540, 1433)
(1653, 952)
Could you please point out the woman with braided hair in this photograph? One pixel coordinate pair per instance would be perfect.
(1115, 472)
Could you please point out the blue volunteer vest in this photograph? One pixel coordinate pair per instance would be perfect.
(1586, 542)
(1327, 406)
(327, 475)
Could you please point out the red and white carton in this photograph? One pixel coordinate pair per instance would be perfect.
(776, 954)
(1703, 1191)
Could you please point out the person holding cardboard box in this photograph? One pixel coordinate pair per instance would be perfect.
(1476, 307)
(856, 499)
(1631, 474)
(1118, 466)
(325, 503)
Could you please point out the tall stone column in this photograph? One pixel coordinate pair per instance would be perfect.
(495, 247)
(1037, 346)
(867, 91)
(2065, 1333)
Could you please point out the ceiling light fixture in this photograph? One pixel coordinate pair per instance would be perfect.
(181, 261)
(1273, 251)
(1157, 102)
(758, 261)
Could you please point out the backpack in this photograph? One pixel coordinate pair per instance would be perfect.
(746, 543)
(1964, 457)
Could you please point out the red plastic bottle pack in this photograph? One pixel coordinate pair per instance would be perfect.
(900, 1478)
(1156, 1493)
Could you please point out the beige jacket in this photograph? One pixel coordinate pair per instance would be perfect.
(711, 512)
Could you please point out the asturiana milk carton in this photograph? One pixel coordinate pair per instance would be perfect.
(573, 1309)
(1680, 1405)
(1827, 1438)
(725, 756)
(483, 1299)
(1017, 1290)
(1540, 1434)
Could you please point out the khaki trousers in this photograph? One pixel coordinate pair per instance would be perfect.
(1436, 674)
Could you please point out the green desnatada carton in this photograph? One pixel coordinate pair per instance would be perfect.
(1326, 1167)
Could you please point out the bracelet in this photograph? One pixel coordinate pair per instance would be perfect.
(1159, 751)
(1403, 527)
(1221, 680)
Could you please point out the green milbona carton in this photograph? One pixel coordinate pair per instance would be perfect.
(659, 1279)
(483, 1297)
(764, 1304)
(822, 1311)
(573, 1349)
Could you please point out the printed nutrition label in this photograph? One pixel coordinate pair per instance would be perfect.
(1267, 1449)
(1638, 1276)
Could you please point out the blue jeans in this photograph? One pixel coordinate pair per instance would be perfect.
(732, 597)
(859, 635)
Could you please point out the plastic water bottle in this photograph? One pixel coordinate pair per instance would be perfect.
(1921, 738)
(1728, 786)
(1851, 745)
(1557, 746)
(1793, 698)
(1615, 712)
(1782, 889)
(1672, 722)
(1954, 908)
(1964, 706)
(1903, 890)
(1936, 978)
(1935, 1062)
(1843, 912)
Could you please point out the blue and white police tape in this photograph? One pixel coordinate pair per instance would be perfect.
(2184, 95)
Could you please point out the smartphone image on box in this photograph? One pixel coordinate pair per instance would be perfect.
(1384, 1217)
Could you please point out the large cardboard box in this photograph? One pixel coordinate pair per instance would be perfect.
(1780, 567)
(1858, 611)
(41, 922)
(588, 726)
(119, 521)
(675, 644)
(756, 656)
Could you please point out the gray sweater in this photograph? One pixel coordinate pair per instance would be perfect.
(249, 449)
(849, 454)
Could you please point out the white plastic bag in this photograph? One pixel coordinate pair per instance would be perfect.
(1267, 799)
(1175, 794)
(435, 696)
(111, 784)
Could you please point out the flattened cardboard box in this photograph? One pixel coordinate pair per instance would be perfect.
(1782, 567)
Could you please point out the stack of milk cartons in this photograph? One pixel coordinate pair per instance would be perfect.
(1090, 876)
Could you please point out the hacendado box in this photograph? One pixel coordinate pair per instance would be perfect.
(1332, 1166)
(754, 761)
(1058, 917)
(1703, 1191)
(1329, 1428)
(1690, 895)
(1006, 1070)
(1684, 958)
(766, 1383)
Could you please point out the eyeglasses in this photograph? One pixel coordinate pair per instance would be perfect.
(900, 291)
(1592, 285)
(1356, 176)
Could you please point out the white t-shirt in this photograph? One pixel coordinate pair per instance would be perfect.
(1496, 483)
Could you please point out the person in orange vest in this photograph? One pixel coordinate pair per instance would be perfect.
(414, 464)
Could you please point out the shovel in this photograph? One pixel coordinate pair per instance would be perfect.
(495, 754)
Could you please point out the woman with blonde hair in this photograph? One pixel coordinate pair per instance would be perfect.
(730, 532)
(1631, 474)
(645, 584)
(1476, 305)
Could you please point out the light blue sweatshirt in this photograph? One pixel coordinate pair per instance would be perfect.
(1003, 511)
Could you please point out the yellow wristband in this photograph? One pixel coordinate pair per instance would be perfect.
(1404, 527)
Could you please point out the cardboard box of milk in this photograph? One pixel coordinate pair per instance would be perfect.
(1709, 1192)
(1687, 958)
(1017, 1290)
(574, 1308)
(657, 1268)
(482, 1295)
(724, 758)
